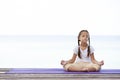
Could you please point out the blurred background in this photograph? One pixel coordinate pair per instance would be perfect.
(39, 33)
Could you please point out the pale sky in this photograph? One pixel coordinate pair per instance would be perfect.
(59, 17)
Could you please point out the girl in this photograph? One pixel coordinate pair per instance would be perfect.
(83, 58)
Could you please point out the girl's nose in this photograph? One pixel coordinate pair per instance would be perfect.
(86, 38)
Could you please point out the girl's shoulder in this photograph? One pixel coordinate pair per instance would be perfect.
(75, 49)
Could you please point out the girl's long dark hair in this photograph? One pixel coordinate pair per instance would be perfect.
(79, 52)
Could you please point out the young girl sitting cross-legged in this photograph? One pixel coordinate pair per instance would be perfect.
(83, 58)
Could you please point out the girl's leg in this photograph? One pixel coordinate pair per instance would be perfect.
(82, 66)
(93, 67)
(76, 67)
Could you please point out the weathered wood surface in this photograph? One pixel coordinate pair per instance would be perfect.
(30, 76)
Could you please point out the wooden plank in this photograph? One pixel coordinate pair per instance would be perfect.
(61, 76)
(31, 76)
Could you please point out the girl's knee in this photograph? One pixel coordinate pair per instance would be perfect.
(91, 69)
(67, 66)
(76, 68)
(94, 67)
(97, 67)
(71, 68)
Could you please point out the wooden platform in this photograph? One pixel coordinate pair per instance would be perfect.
(39, 76)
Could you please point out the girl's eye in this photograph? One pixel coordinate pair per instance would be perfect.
(82, 35)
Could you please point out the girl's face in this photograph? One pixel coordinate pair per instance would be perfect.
(84, 37)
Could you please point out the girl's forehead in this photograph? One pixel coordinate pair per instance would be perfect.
(84, 33)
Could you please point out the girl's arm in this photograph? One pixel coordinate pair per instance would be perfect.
(95, 61)
(70, 60)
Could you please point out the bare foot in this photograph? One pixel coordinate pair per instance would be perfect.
(84, 70)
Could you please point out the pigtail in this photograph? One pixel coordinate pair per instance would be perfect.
(79, 52)
(88, 46)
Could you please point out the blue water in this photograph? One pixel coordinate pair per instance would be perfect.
(46, 51)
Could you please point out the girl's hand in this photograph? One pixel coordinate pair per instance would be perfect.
(63, 62)
(101, 63)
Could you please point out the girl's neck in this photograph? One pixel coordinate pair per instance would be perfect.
(83, 45)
